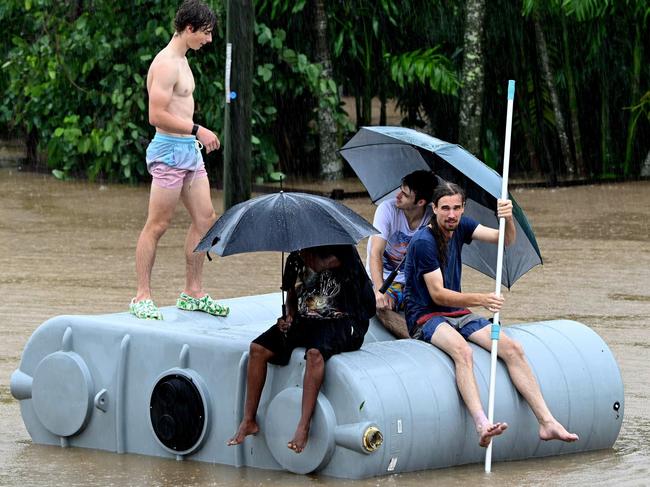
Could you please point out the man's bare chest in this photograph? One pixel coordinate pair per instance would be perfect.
(185, 84)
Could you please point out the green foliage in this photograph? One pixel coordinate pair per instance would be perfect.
(640, 109)
(77, 78)
(598, 64)
(74, 74)
(586, 9)
(276, 9)
(427, 67)
(283, 74)
(491, 149)
(361, 35)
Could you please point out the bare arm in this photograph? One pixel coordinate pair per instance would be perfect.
(292, 302)
(164, 76)
(491, 235)
(446, 297)
(377, 247)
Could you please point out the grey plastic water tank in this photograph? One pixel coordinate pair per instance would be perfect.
(176, 389)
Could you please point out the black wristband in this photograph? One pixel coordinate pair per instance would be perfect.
(195, 129)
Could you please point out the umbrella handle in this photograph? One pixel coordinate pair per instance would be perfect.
(389, 280)
(284, 307)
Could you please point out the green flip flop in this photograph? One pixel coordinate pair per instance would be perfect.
(205, 304)
(145, 310)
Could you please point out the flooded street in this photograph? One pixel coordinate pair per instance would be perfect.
(68, 248)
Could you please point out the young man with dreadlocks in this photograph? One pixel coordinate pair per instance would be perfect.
(437, 310)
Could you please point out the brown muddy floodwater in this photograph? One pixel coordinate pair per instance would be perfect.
(67, 248)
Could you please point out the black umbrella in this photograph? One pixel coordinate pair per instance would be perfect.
(284, 222)
(382, 156)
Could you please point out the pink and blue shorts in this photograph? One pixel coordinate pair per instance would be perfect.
(173, 160)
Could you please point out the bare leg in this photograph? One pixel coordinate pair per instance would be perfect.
(393, 322)
(453, 344)
(314, 374)
(255, 379)
(512, 353)
(199, 205)
(162, 202)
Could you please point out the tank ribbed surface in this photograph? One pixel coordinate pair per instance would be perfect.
(392, 406)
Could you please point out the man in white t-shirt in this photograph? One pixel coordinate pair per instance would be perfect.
(397, 220)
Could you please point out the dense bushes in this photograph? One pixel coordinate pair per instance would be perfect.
(75, 75)
(73, 79)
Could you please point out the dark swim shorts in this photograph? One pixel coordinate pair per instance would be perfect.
(465, 325)
(328, 336)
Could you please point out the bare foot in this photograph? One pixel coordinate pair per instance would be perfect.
(555, 431)
(299, 440)
(487, 431)
(245, 428)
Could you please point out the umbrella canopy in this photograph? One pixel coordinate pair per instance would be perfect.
(382, 156)
(284, 222)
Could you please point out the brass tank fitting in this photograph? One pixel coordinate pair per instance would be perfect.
(372, 438)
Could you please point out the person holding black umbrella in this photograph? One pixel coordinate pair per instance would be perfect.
(329, 304)
(397, 220)
(437, 310)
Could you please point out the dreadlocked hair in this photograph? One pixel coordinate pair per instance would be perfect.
(443, 189)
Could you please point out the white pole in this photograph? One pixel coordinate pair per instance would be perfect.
(228, 65)
(496, 327)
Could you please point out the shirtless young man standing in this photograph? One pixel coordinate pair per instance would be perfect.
(175, 163)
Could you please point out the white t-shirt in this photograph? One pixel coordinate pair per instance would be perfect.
(394, 228)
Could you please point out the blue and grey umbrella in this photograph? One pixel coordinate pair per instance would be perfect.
(284, 222)
(382, 156)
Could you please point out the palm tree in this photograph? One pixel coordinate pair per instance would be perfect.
(573, 100)
(547, 74)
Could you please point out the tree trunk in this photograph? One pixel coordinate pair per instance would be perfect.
(634, 99)
(357, 108)
(555, 99)
(366, 105)
(237, 121)
(31, 147)
(331, 165)
(645, 167)
(367, 87)
(538, 114)
(607, 167)
(525, 115)
(527, 130)
(573, 102)
(383, 116)
(471, 105)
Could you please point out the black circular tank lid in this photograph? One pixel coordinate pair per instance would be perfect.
(177, 412)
